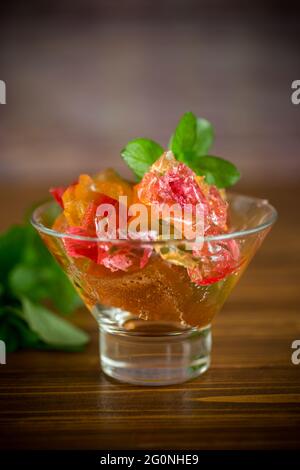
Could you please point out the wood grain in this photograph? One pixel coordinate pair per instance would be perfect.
(250, 398)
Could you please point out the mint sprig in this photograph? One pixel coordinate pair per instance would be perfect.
(190, 143)
(53, 330)
(29, 277)
(192, 138)
(217, 171)
(184, 137)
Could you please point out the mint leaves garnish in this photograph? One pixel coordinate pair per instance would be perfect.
(204, 137)
(53, 330)
(192, 138)
(217, 171)
(190, 143)
(140, 154)
(183, 139)
(29, 277)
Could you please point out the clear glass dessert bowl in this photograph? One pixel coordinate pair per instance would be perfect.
(154, 321)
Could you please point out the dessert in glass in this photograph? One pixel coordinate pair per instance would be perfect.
(155, 260)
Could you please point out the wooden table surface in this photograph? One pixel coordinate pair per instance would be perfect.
(250, 397)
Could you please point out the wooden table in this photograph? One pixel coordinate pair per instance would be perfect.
(250, 397)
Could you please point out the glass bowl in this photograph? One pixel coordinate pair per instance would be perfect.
(155, 322)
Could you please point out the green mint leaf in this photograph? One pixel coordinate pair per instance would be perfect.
(26, 337)
(28, 281)
(62, 292)
(217, 171)
(29, 271)
(11, 250)
(15, 332)
(56, 332)
(10, 336)
(140, 154)
(193, 138)
(204, 137)
(184, 137)
(39, 277)
(2, 290)
(46, 283)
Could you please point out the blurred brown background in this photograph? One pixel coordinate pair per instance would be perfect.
(84, 77)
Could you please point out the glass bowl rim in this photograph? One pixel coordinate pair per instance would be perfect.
(225, 236)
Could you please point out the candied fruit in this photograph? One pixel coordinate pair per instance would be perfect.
(76, 199)
(110, 183)
(171, 182)
(57, 193)
(216, 259)
(168, 182)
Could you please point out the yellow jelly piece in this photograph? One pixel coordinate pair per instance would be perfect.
(60, 224)
(108, 182)
(78, 196)
(176, 255)
(164, 163)
(76, 199)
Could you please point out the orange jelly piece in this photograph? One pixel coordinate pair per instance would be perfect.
(78, 196)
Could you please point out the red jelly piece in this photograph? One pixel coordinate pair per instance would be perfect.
(146, 256)
(57, 194)
(115, 257)
(88, 221)
(217, 213)
(80, 248)
(217, 259)
(178, 185)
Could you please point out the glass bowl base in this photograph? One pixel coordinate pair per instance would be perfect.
(157, 359)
